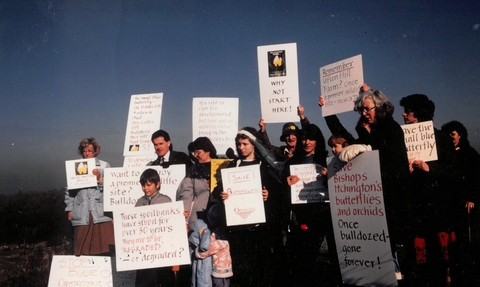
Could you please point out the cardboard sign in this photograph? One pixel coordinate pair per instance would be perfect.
(138, 161)
(151, 236)
(359, 221)
(420, 141)
(144, 116)
(340, 84)
(278, 79)
(122, 186)
(311, 187)
(245, 202)
(79, 173)
(216, 119)
(70, 270)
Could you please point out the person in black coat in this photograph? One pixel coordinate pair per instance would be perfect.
(167, 156)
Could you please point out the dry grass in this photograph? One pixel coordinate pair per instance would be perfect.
(28, 265)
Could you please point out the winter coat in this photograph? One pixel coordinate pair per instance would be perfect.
(81, 202)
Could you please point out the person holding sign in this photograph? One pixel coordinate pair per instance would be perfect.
(336, 127)
(290, 134)
(250, 245)
(166, 156)
(150, 181)
(377, 130)
(194, 190)
(431, 185)
(313, 220)
(93, 230)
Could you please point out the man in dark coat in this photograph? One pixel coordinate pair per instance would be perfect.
(167, 156)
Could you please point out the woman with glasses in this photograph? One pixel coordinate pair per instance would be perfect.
(377, 130)
(194, 190)
(93, 230)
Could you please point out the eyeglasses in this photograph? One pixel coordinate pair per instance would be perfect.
(197, 153)
(366, 110)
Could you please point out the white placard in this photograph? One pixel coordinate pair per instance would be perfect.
(144, 116)
(420, 141)
(340, 83)
(359, 221)
(217, 119)
(79, 173)
(151, 236)
(278, 80)
(70, 270)
(122, 186)
(138, 161)
(245, 202)
(311, 187)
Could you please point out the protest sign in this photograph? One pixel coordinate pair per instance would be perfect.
(151, 236)
(70, 270)
(215, 167)
(311, 187)
(359, 221)
(340, 84)
(278, 80)
(122, 187)
(80, 173)
(420, 141)
(138, 161)
(245, 202)
(144, 116)
(217, 119)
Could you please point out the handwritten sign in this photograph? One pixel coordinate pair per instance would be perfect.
(244, 187)
(138, 161)
(151, 236)
(359, 221)
(420, 141)
(215, 167)
(340, 83)
(217, 119)
(278, 79)
(311, 187)
(143, 120)
(79, 173)
(122, 186)
(69, 270)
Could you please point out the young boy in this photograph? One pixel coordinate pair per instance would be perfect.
(337, 142)
(150, 181)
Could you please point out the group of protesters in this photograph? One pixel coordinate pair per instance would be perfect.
(430, 206)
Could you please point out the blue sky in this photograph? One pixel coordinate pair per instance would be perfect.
(68, 68)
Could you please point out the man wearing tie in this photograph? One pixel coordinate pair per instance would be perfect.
(166, 156)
